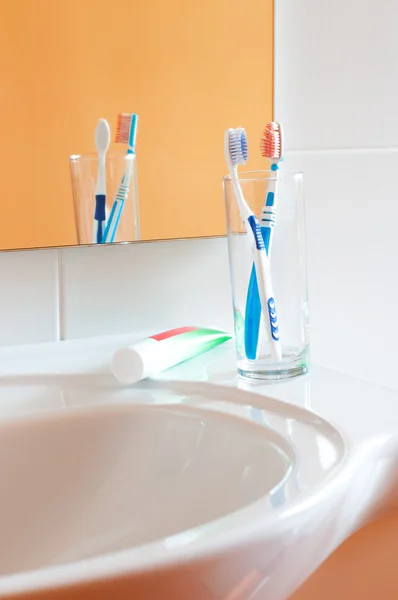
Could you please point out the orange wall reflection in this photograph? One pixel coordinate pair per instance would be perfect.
(363, 568)
(189, 68)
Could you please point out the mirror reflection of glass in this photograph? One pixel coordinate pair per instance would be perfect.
(189, 70)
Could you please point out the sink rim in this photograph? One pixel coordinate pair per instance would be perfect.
(240, 527)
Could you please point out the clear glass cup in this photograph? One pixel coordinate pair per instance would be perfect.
(287, 265)
(84, 169)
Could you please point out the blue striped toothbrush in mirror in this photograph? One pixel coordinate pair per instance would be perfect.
(272, 148)
(126, 133)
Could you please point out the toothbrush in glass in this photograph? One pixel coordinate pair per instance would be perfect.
(235, 149)
(102, 139)
(126, 134)
(271, 148)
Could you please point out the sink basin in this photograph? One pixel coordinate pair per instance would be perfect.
(165, 490)
(87, 482)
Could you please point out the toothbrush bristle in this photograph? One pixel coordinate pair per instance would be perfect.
(271, 142)
(123, 128)
(238, 146)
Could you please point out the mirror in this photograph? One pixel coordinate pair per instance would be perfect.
(189, 69)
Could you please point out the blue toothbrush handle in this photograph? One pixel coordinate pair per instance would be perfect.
(252, 317)
(99, 232)
(119, 214)
(99, 216)
(253, 307)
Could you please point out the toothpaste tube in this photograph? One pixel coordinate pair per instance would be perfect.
(163, 351)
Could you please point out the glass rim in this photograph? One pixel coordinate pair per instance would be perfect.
(93, 156)
(282, 174)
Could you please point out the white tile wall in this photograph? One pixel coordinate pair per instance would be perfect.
(336, 73)
(49, 295)
(352, 260)
(29, 297)
(155, 285)
(336, 86)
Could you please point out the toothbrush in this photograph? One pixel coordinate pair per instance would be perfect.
(126, 134)
(102, 139)
(272, 148)
(235, 148)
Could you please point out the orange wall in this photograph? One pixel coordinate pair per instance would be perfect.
(190, 69)
(363, 568)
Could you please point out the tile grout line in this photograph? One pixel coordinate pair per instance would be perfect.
(60, 303)
(378, 150)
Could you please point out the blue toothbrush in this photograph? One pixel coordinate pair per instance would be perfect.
(126, 133)
(271, 148)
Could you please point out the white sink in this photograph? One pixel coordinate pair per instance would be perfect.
(182, 491)
(91, 481)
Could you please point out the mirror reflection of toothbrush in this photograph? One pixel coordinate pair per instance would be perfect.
(126, 134)
(235, 149)
(272, 148)
(102, 139)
